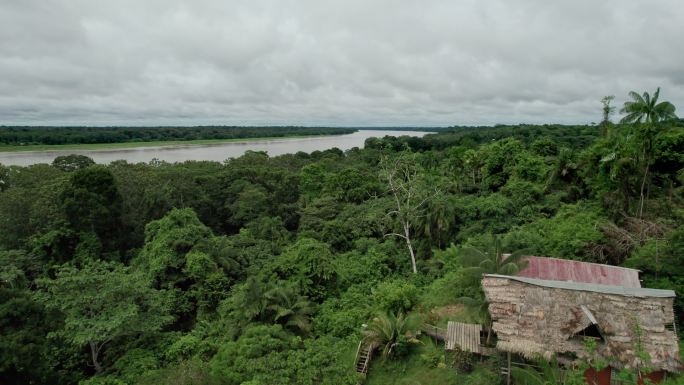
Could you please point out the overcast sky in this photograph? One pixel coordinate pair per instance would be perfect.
(345, 62)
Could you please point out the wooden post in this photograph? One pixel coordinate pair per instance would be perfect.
(508, 374)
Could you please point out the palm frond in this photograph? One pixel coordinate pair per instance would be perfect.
(655, 96)
(300, 322)
(385, 328)
(526, 376)
(471, 256)
(665, 111)
(636, 97)
(469, 301)
(647, 98)
(475, 271)
(487, 265)
(631, 117)
(509, 269)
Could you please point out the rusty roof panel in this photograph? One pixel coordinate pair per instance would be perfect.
(567, 270)
(605, 289)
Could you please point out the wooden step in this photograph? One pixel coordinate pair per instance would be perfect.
(363, 356)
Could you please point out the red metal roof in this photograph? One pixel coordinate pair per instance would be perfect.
(554, 269)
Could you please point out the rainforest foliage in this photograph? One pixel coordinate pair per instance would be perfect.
(262, 270)
(32, 135)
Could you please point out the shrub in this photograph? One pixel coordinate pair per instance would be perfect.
(395, 296)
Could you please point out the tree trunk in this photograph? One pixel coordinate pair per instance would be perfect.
(410, 247)
(643, 184)
(94, 351)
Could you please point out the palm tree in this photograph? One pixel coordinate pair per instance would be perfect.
(492, 260)
(254, 302)
(647, 109)
(388, 332)
(289, 308)
(439, 217)
(564, 167)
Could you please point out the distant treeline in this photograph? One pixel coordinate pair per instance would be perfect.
(577, 136)
(24, 135)
(424, 129)
(580, 136)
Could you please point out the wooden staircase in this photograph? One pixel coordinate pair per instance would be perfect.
(363, 357)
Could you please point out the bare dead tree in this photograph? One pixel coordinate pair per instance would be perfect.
(409, 194)
(622, 240)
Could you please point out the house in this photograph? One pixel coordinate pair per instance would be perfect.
(553, 305)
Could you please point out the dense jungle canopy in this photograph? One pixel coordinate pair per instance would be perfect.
(262, 270)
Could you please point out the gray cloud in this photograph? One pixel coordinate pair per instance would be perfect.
(325, 62)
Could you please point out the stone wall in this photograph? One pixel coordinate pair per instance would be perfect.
(537, 320)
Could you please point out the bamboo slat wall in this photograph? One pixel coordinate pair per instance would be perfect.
(531, 320)
(463, 336)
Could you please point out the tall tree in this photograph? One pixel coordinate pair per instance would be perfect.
(492, 260)
(4, 177)
(289, 308)
(410, 196)
(72, 162)
(608, 110)
(92, 204)
(489, 261)
(311, 265)
(645, 108)
(102, 302)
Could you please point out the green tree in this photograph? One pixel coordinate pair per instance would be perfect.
(72, 162)
(92, 203)
(391, 333)
(180, 254)
(4, 178)
(395, 296)
(288, 308)
(563, 169)
(310, 264)
(167, 241)
(191, 372)
(647, 109)
(23, 322)
(30, 205)
(269, 355)
(101, 302)
(248, 302)
(251, 201)
(607, 110)
(492, 260)
(439, 219)
(489, 261)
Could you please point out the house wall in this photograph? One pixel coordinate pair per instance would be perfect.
(533, 320)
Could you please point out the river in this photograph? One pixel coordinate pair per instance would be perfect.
(213, 152)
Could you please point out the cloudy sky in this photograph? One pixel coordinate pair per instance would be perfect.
(345, 62)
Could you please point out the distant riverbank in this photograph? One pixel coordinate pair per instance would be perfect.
(125, 145)
(41, 138)
(216, 150)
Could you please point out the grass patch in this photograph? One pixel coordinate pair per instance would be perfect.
(410, 371)
(418, 368)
